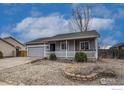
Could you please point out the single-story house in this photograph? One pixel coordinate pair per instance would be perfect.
(65, 45)
(118, 46)
(10, 47)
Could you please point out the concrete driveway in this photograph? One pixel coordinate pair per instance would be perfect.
(15, 61)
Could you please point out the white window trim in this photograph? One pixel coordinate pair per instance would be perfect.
(48, 47)
(65, 43)
(84, 42)
(28, 46)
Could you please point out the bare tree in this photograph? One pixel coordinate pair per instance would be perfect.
(80, 19)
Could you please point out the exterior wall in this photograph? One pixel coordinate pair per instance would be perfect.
(58, 43)
(7, 50)
(71, 45)
(77, 44)
(91, 42)
(70, 53)
(13, 42)
(57, 46)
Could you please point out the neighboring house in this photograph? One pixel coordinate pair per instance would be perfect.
(7, 49)
(65, 45)
(118, 46)
(14, 42)
(10, 47)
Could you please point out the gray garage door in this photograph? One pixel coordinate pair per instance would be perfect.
(36, 51)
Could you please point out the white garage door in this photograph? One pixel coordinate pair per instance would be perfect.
(36, 51)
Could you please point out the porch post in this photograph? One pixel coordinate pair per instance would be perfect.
(96, 45)
(74, 47)
(27, 50)
(66, 49)
(44, 50)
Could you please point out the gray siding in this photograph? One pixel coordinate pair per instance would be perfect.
(77, 44)
(57, 47)
(91, 41)
(71, 45)
(92, 44)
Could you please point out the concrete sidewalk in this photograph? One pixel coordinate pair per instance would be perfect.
(11, 62)
(15, 61)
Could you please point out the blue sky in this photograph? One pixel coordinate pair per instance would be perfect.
(26, 22)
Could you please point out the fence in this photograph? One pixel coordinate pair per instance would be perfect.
(22, 53)
(111, 53)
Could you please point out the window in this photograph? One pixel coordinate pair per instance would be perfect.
(52, 47)
(84, 45)
(47, 47)
(63, 45)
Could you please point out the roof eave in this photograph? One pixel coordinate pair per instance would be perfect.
(84, 37)
(7, 42)
(14, 40)
(35, 43)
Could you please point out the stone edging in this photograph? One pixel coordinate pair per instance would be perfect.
(90, 77)
(33, 61)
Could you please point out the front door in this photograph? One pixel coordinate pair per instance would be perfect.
(52, 47)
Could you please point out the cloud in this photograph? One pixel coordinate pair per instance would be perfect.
(31, 28)
(4, 35)
(101, 23)
(119, 33)
(107, 42)
(35, 12)
(106, 47)
(36, 27)
(97, 10)
(102, 11)
(120, 13)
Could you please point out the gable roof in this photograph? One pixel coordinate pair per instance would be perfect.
(13, 39)
(75, 35)
(36, 41)
(7, 42)
(67, 36)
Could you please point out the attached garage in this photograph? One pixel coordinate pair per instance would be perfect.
(35, 51)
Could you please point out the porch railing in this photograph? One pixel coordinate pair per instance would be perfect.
(90, 54)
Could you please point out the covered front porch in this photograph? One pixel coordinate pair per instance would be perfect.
(67, 48)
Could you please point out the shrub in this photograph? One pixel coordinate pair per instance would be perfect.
(80, 57)
(52, 57)
(1, 55)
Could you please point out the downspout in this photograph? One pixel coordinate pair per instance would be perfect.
(44, 50)
(96, 44)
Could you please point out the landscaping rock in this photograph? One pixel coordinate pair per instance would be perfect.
(50, 73)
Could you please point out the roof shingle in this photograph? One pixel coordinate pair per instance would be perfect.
(75, 35)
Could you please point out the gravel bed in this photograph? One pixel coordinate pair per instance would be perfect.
(40, 73)
(46, 72)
